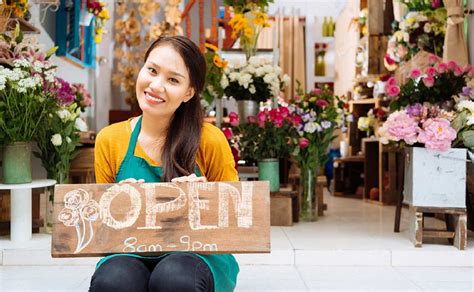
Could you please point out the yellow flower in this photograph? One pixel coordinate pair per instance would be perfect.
(237, 17)
(104, 14)
(217, 61)
(248, 32)
(99, 30)
(98, 38)
(261, 18)
(211, 47)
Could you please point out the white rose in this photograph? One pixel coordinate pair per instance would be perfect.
(470, 120)
(245, 79)
(254, 61)
(310, 128)
(224, 81)
(233, 76)
(63, 114)
(56, 140)
(81, 125)
(260, 71)
(286, 80)
(252, 89)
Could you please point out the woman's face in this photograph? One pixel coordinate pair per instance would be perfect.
(163, 82)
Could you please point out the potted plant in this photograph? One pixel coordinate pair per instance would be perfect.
(424, 111)
(264, 139)
(252, 82)
(25, 78)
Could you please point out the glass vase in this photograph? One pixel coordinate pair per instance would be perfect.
(309, 210)
(17, 163)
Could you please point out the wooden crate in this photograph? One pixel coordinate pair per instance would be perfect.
(281, 213)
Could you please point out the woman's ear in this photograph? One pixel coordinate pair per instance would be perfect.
(189, 94)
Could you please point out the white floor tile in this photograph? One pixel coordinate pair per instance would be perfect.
(363, 278)
(342, 258)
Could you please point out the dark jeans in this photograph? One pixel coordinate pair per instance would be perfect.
(174, 272)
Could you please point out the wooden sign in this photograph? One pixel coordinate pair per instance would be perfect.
(212, 217)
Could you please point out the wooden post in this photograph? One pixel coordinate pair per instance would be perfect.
(375, 17)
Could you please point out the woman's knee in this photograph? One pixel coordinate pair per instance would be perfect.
(120, 273)
(181, 272)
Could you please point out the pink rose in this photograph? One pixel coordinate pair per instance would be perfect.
(296, 120)
(233, 119)
(437, 134)
(432, 59)
(400, 126)
(431, 71)
(251, 119)
(436, 3)
(428, 81)
(392, 91)
(303, 143)
(261, 119)
(415, 73)
(467, 68)
(442, 68)
(458, 71)
(322, 103)
(316, 91)
(389, 60)
(284, 111)
(452, 65)
(228, 133)
(392, 81)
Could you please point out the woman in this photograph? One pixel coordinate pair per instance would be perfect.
(169, 142)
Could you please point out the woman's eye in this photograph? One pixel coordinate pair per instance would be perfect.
(151, 70)
(174, 80)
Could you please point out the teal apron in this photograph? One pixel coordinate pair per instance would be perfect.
(224, 267)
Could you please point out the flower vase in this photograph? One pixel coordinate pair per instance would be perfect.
(269, 169)
(247, 108)
(17, 163)
(320, 64)
(85, 18)
(309, 209)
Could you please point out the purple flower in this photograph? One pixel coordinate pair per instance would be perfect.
(64, 93)
(325, 124)
(466, 91)
(415, 110)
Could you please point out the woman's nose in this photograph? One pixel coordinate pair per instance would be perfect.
(157, 85)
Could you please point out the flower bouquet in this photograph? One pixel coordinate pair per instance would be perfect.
(98, 9)
(215, 70)
(315, 115)
(25, 75)
(419, 30)
(436, 85)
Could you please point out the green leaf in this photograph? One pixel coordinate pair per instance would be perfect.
(51, 52)
(468, 138)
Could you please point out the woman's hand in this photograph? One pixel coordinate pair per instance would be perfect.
(189, 178)
(131, 181)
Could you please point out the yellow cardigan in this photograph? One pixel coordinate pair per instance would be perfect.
(214, 157)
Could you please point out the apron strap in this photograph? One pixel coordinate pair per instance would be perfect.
(134, 138)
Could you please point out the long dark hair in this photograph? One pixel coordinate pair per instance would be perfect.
(184, 131)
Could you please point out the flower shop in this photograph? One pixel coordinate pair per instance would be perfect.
(344, 106)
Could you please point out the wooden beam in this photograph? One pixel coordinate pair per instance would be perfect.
(202, 36)
(187, 9)
(215, 15)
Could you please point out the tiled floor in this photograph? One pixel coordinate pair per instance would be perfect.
(352, 248)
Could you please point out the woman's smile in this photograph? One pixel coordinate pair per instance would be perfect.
(153, 98)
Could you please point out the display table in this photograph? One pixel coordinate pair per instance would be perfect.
(20, 207)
